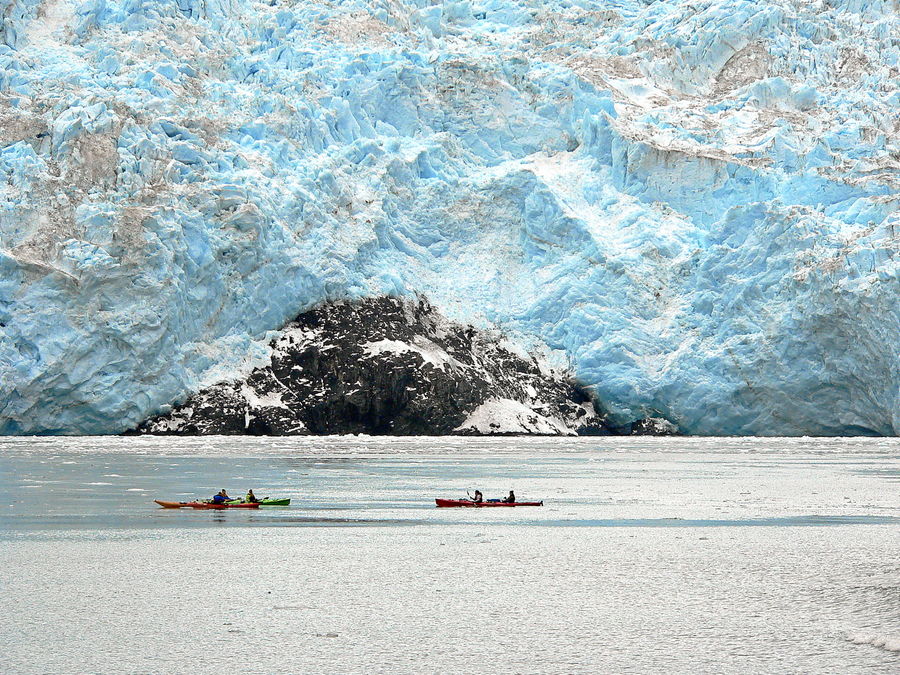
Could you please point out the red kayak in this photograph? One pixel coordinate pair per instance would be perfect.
(204, 505)
(466, 502)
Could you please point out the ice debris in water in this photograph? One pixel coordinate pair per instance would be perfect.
(695, 203)
(891, 644)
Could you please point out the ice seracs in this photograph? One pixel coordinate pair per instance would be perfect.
(692, 204)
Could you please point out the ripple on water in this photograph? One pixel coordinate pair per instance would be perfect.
(677, 553)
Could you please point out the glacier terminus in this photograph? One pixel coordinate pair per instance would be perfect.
(693, 206)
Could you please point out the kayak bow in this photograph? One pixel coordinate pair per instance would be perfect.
(172, 505)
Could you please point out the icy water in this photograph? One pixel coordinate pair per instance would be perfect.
(649, 555)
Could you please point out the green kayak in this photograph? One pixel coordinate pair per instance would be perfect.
(265, 502)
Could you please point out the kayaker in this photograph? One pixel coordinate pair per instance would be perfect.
(478, 498)
(221, 498)
(250, 498)
(511, 499)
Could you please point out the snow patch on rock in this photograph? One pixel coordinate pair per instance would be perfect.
(255, 400)
(430, 352)
(505, 416)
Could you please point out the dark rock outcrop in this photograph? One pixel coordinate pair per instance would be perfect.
(387, 366)
(649, 426)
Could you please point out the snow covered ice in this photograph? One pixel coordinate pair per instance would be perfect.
(693, 204)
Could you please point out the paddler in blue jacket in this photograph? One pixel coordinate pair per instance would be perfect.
(221, 498)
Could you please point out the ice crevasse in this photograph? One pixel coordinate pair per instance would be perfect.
(693, 204)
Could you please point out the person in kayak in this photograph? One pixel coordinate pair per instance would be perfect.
(221, 498)
(478, 498)
(511, 499)
(250, 498)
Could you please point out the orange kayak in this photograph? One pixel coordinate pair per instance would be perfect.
(204, 505)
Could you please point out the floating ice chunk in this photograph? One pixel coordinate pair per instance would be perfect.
(888, 643)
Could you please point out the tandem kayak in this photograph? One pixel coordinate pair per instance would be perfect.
(203, 505)
(265, 502)
(466, 502)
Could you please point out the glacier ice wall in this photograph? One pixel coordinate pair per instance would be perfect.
(693, 202)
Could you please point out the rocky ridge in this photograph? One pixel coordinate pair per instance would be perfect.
(387, 366)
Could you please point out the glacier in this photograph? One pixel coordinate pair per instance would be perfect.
(692, 204)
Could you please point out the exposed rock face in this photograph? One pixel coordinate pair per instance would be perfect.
(652, 426)
(386, 366)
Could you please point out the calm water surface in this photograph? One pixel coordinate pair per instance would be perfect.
(650, 555)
